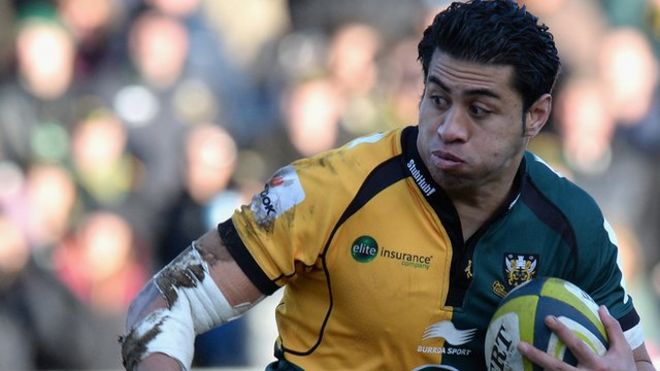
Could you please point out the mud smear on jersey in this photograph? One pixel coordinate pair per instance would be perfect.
(134, 346)
(327, 164)
(289, 217)
(324, 162)
(267, 225)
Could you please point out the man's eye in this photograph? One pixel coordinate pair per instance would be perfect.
(439, 101)
(478, 111)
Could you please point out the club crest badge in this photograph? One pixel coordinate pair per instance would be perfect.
(519, 268)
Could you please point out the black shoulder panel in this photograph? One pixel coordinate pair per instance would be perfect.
(550, 214)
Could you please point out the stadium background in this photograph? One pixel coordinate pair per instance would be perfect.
(128, 128)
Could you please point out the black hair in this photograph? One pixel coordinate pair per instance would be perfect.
(496, 32)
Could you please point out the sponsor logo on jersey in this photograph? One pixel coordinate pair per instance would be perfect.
(282, 192)
(423, 184)
(364, 249)
(519, 268)
(453, 337)
(408, 260)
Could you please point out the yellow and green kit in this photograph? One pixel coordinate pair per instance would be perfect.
(375, 269)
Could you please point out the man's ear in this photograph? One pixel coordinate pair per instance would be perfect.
(537, 115)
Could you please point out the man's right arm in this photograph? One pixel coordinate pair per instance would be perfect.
(202, 288)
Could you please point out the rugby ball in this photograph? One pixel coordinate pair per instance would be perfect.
(520, 315)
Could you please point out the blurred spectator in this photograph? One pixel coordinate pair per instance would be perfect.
(353, 69)
(93, 24)
(310, 114)
(42, 325)
(352, 58)
(630, 73)
(142, 96)
(586, 126)
(210, 160)
(403, 83)
(99, 262)
(36, 103)
(578, 50)
(50, 204)
(227, 40)
(100, 265)
(106, 172)
(45, 58)
(312, 111)
(246, 27)
(159, 45)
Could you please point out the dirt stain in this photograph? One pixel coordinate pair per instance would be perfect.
(133, 347)
(183, 271)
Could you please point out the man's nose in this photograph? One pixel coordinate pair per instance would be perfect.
(454, 125)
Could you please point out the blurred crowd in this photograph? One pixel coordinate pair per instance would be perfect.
(128, 128)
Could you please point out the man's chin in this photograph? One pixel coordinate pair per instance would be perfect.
(455, 183)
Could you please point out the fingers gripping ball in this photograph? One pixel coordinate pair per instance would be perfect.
(520, 316)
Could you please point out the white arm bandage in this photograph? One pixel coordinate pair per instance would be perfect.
(196, 305)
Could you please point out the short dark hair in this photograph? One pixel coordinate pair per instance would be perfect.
(496, 32)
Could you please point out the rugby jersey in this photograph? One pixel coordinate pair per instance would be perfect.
(376, 272)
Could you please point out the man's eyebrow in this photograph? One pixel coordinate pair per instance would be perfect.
(471, 92)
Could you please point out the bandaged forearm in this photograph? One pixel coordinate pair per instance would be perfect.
(195, 304)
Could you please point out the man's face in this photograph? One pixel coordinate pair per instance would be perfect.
(470, 124)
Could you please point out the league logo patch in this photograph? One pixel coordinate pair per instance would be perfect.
(282, 192)
(519, 268)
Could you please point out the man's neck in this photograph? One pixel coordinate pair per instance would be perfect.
(477, 205)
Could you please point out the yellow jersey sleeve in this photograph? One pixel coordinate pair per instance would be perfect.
(286, 227)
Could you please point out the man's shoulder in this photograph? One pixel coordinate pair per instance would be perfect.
(565, 207)
(378, 145)
(554, 187)
(359, 156)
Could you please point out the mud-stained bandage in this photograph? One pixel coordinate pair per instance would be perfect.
(195, 305)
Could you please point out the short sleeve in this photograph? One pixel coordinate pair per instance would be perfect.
(601, 276)
(287, 225)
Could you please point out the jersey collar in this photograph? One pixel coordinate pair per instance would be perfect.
(438, 198)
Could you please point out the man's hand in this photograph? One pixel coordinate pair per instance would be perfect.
(619, 356)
